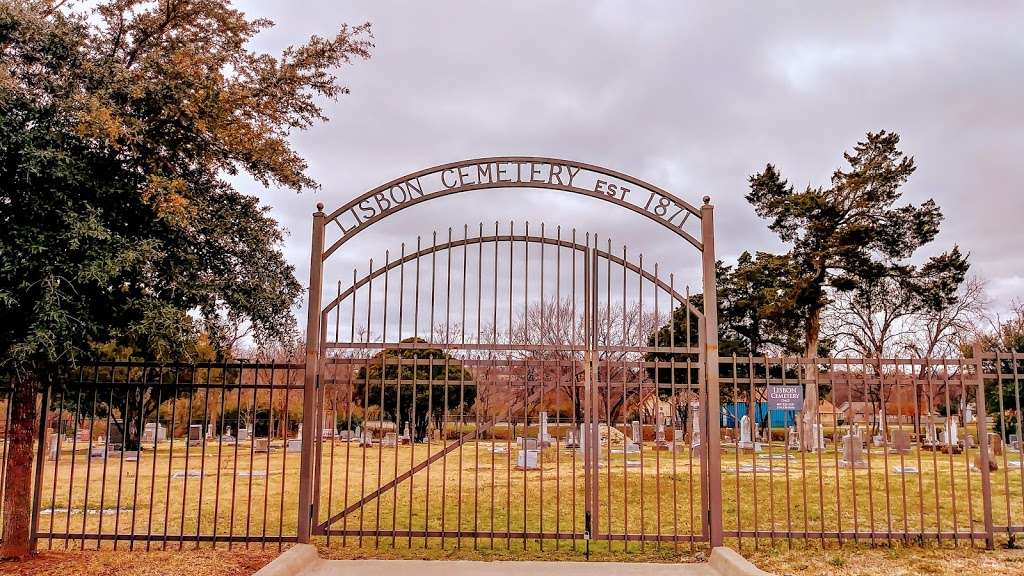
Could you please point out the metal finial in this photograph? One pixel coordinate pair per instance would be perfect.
(319, 206)
(707, 199)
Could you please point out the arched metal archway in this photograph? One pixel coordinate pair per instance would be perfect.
(695, 226)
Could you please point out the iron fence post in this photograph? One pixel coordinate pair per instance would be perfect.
(307, 467)
(712, 416)
(983, 446)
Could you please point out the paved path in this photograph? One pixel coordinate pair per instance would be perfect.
(302, 560)
(472, 568)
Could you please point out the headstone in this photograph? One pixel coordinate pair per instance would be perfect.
(83, 435)
(659, 432)
(695, 427)
(115, 432)
(52, 445)
(995, 441)
(209, 430)
(571, 439)
(900, 442)
(195, 434)
(952, 432)
(542, 431)
(930, 433)
(636, 435)
(390, 440)
(969, 414)
(792, 438)
(969, 441)
(98, 452)
(261, 445)
(993, 462)
(745, 441)
(818, 434)
(154, 432)
(853, 453)
(243, 434)
(294, 444)
(1014, 442)
(528, 459)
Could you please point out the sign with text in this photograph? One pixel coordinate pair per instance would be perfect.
(511, 172)
(786, 398)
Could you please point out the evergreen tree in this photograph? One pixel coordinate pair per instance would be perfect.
(119, 124)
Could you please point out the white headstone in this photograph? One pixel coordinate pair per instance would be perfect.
(969, 414)
(745, 441)
(542, 430)
(298, 436)
(694, 433)
(635, 432)
(952, 432)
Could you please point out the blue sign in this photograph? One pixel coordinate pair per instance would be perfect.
(786, 397)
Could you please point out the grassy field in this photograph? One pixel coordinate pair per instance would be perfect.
(479, 488)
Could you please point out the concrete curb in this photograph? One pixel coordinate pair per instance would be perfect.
(295, 560)
(303, 559)
(728, 562)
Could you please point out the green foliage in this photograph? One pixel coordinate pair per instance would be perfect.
(847, 232)
(442, 384)
(119, 126)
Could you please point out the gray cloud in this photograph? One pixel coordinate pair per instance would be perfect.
(691, 97)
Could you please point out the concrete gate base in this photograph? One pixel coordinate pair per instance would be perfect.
(303, 560)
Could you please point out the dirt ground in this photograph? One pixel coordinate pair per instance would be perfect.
(203, 562)
(848, 561)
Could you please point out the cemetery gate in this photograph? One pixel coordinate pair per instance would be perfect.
(500, 382)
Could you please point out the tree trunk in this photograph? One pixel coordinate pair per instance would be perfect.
(18, 483)
(808, 440)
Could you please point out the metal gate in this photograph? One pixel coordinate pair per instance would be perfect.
(505, 387)
(544, 387)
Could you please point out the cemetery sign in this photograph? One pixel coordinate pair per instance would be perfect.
(785, 397)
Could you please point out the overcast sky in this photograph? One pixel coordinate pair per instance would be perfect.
(692, 97)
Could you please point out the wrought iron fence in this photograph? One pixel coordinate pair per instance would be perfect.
(173, 455)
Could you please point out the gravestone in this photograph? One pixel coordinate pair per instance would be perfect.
(261, 445)
(930, 433)
(52, 445)
(406, 436)
(528, 457)
(995, 441)
(154, 432)
(993, 463)
(746, 444)
(636, 436)
(900, 442)
(295, 444)
(792, 438)
(694, 430)
(969, 414)
(390, 440)
(1014, 442)
(970, 442)
(879, 439)
(952, 432)
(195, 434)
(209, 430)
(659, 432)
(83, 435)
(243, 435)
(542, 431)
(571, 440)
(853, 453)
(115, 432)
